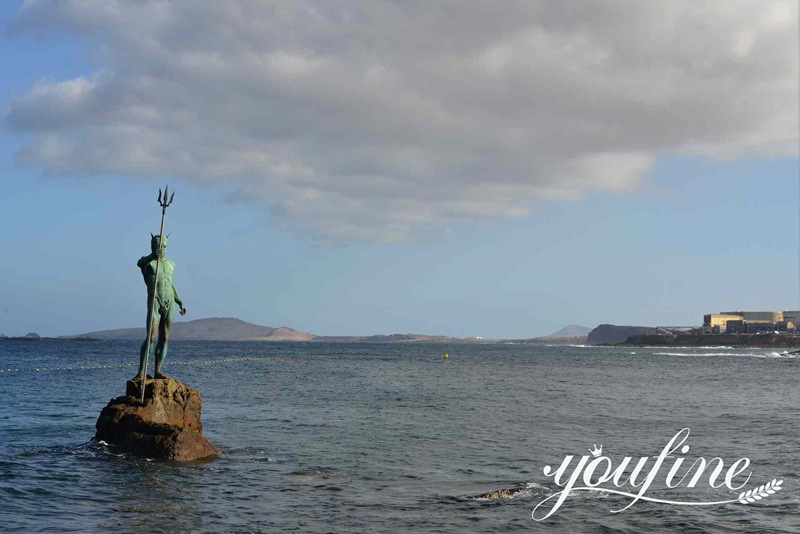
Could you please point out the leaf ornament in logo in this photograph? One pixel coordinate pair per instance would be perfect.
(764, 490)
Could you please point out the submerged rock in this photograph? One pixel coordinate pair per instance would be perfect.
(166, 427)
(500, 494)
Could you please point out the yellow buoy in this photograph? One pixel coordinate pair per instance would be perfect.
(446, 356)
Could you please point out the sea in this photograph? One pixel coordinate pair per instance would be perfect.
(344, 437)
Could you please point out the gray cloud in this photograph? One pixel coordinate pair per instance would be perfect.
(371, 120)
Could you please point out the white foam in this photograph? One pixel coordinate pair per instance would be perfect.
(742, 354)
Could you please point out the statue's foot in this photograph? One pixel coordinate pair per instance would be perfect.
(138, 378)
(160, 375)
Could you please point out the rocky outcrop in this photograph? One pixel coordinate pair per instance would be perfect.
(166, 427)
(716, 340)
(610, 333)
(500, 494)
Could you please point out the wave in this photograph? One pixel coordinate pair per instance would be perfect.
(743, 354)
(712, 347)
(692, 347)
(586, 346)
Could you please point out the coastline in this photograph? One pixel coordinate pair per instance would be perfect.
(714, 340)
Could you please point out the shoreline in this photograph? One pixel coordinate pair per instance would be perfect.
(766, 341)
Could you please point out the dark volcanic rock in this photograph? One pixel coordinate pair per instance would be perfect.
(610, 333)
(167, 427)
(782, 340)
(500, 494)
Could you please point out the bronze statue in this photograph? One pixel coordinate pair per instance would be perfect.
(161, 313)
(161, 294)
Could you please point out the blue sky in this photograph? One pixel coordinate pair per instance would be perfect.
(459, 234)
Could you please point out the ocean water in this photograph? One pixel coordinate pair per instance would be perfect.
(392, 438)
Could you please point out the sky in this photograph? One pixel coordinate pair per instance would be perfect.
(462, 168)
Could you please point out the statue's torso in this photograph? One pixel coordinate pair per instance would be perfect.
(166, 271)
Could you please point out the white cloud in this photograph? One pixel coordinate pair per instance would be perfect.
(368, 120)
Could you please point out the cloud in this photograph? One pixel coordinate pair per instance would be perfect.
(376, 120)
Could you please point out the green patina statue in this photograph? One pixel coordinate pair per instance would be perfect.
(162, 315)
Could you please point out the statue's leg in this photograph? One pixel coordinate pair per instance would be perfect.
(143, 351)
(164, 328)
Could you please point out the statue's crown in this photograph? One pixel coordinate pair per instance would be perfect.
(596, 452)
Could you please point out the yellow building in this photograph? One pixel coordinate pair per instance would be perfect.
(768, 316)
(751, 321)
(718, 322)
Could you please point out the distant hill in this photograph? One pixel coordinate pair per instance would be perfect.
(572, 334)
(572, 330)
(231, 329)
(213, 329)
(610, 333)
(284, 333)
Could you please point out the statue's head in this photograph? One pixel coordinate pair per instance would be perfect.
(154, 243)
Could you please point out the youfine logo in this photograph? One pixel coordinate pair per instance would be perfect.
(598, 473)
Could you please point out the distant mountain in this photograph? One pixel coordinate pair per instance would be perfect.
(572, 330)
(213, 329)
(568, 334)
(120, 333)
(610, 333)
(284, 333)
(231, 329)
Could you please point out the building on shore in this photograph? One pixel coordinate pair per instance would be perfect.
(717, 323)
(751, 322)
(792, 316)
(774, 316)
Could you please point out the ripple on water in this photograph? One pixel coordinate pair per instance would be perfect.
(366, 438)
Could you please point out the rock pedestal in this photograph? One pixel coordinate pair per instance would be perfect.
(166, 427)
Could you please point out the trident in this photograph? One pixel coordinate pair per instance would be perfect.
(164, 205)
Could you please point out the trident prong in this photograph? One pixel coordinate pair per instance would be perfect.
(167, 198)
